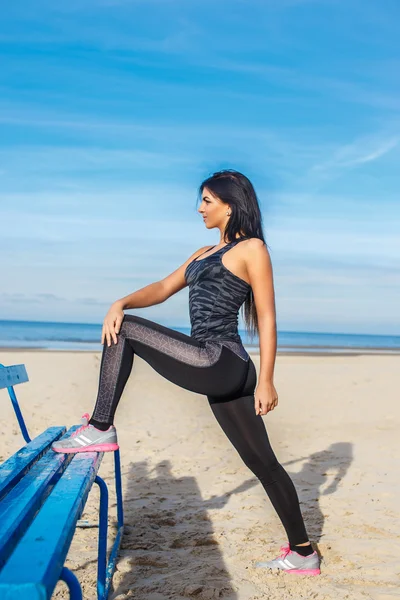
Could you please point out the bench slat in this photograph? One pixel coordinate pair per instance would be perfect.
(17, 465)
(10, 376)
(20, 505)
(33, 569)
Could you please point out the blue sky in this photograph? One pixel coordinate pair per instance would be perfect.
(112, 113)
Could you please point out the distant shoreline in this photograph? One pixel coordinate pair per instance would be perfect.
(80, 337)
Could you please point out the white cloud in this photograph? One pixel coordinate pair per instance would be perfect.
(363, 150)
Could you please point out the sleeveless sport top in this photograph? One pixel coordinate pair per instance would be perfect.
(215, 297)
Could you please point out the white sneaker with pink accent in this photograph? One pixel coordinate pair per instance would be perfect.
(292, 562)
(88, 439)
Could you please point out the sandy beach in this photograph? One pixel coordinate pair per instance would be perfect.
(196, 519)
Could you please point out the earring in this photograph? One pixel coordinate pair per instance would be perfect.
(228, 214)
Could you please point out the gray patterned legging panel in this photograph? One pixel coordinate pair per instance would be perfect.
(221, 372)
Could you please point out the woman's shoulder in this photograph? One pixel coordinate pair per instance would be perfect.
(254, 248)
(205, 248)
(254, 243)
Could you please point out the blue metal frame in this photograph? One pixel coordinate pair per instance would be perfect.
(75, 590)
(105, 569)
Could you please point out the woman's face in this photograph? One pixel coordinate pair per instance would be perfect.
(213, 210)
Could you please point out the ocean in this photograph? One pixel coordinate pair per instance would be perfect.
(86, 336)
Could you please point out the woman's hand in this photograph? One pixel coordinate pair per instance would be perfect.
(112, 323)
(265, 398)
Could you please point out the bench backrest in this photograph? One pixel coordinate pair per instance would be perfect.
(12, 375)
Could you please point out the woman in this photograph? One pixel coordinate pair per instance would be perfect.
(211, 361)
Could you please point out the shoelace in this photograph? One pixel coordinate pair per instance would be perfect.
(284, 550)
(85, 420)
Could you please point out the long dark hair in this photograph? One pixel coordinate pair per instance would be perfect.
(235, 189)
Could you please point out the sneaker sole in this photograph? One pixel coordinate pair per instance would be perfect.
(293, 571)
(303, 571)
(92, 448)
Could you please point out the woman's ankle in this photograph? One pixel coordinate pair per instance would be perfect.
(99, 424)
(304, 549)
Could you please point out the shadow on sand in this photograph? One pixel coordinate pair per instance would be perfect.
(169, 549)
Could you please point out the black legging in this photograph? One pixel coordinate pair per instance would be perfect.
(225, 378)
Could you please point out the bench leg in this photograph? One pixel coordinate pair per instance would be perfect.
(105, 570)
(75, 590)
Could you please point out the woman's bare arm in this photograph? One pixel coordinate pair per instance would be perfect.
(260, 273)
(147, 296)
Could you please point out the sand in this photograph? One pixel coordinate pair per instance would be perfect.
(196, 519)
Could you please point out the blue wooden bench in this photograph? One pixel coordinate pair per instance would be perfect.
(42, 496)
